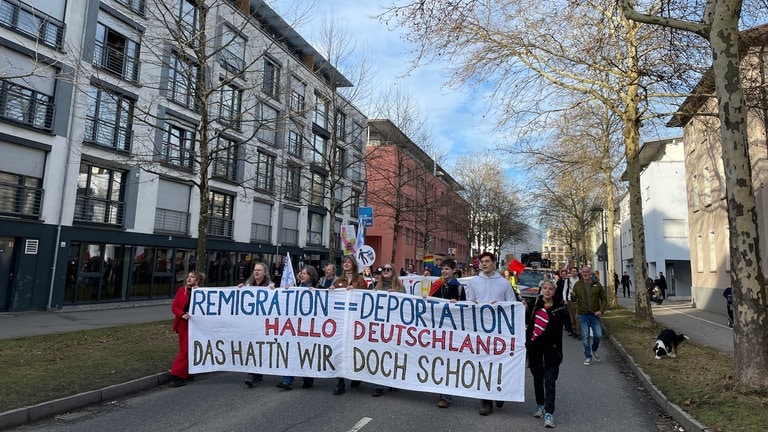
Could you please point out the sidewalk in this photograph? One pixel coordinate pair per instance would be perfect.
(705, 327)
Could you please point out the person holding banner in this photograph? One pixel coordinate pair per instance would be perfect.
(350, 279)
(448, 288)
(180, 309)
(544, 347)
(489, 286)
(259, 277)
(307, 280)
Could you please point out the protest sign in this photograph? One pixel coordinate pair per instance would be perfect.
(391, 339)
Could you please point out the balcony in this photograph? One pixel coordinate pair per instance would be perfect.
(20, 201)
(32, 23)
(104, 133)
(220, 227)
(23, 105)
(171, 221)
(289, 236)
(261, 233)
(98, 210)
(115, 61)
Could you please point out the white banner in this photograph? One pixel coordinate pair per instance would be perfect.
(396, 340)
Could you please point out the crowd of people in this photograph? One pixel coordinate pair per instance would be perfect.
(572, 301)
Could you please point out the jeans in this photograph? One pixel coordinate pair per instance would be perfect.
(544, 379)
(307, 380)
(586, 322)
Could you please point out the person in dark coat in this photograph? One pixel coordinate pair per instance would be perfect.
(544, 348)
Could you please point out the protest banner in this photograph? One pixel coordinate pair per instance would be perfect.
(391, 339)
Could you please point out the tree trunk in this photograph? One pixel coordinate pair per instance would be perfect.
(747, 280)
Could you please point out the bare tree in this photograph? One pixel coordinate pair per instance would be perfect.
(718, 23)
(538, 59)
(495, 205)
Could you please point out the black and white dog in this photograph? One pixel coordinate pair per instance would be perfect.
(667, 342)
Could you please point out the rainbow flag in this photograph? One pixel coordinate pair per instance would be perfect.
(429, 261)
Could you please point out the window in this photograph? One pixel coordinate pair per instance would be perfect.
(261, 222)
(354, 203)
(265, 172)
(268, 127)
(31, 22)
(172, 212)
(115, 53)
(187, 20)
(317, 192)
(341, 161)
(318, 149)
(699, 254)
(109, 120)
(674, 228)
(341, 125)
(712, 252)
(100, 194)
(225, 159)
(294, 144)
(289, 233)
(182, 81)
(271, 83)
(232, 54)
(26, 106)
(220, 213)
(321, 112)
(230, 106)
(293, 182)
(178, 146)
(298, 90)
(315, 229)
(20, 195)
(135, 5)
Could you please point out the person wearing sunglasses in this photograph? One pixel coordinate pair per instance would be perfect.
(389, 281)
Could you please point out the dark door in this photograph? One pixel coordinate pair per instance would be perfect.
(6, 271)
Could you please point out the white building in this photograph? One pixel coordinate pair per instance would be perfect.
(100, 130)
(665, 215)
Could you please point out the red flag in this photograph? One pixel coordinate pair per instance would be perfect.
(516, 266)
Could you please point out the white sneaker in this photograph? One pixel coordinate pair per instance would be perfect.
(539, 411)
(595, 356)
(549, 420)
(588, 361)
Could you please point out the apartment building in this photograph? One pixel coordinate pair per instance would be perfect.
(416, 204)
(118, 116)
(706, 204)
(662, 183)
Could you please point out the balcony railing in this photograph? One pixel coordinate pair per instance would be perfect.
(106, 134)
(260, 232)
(171, 221)
(98, 210)
(115, 61)
(220, 227)
(26, 106)
(33, 23)
(21, 201)
(289, 236)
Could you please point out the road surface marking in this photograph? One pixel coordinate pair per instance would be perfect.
(360, 424)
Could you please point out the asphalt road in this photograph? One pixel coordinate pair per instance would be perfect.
(605, 396)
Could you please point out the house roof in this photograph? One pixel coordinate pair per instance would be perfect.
(705, 88)
(651, 151)
(282, 32)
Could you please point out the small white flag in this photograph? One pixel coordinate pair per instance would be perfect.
(289, 278)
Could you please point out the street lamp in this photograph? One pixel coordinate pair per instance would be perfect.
(603, 247)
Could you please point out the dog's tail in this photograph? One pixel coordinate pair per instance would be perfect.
(681, 337)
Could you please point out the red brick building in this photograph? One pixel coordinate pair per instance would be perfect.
(417, 208)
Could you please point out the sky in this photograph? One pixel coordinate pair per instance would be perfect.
(457, 118)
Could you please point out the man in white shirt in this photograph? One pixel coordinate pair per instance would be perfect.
(489, 286)
(572, 311)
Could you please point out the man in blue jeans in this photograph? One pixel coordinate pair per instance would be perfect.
(591, 302)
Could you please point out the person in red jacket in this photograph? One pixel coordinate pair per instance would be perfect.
(180, 309)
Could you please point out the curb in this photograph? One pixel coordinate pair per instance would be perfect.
(685, 420)
(29, 414)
